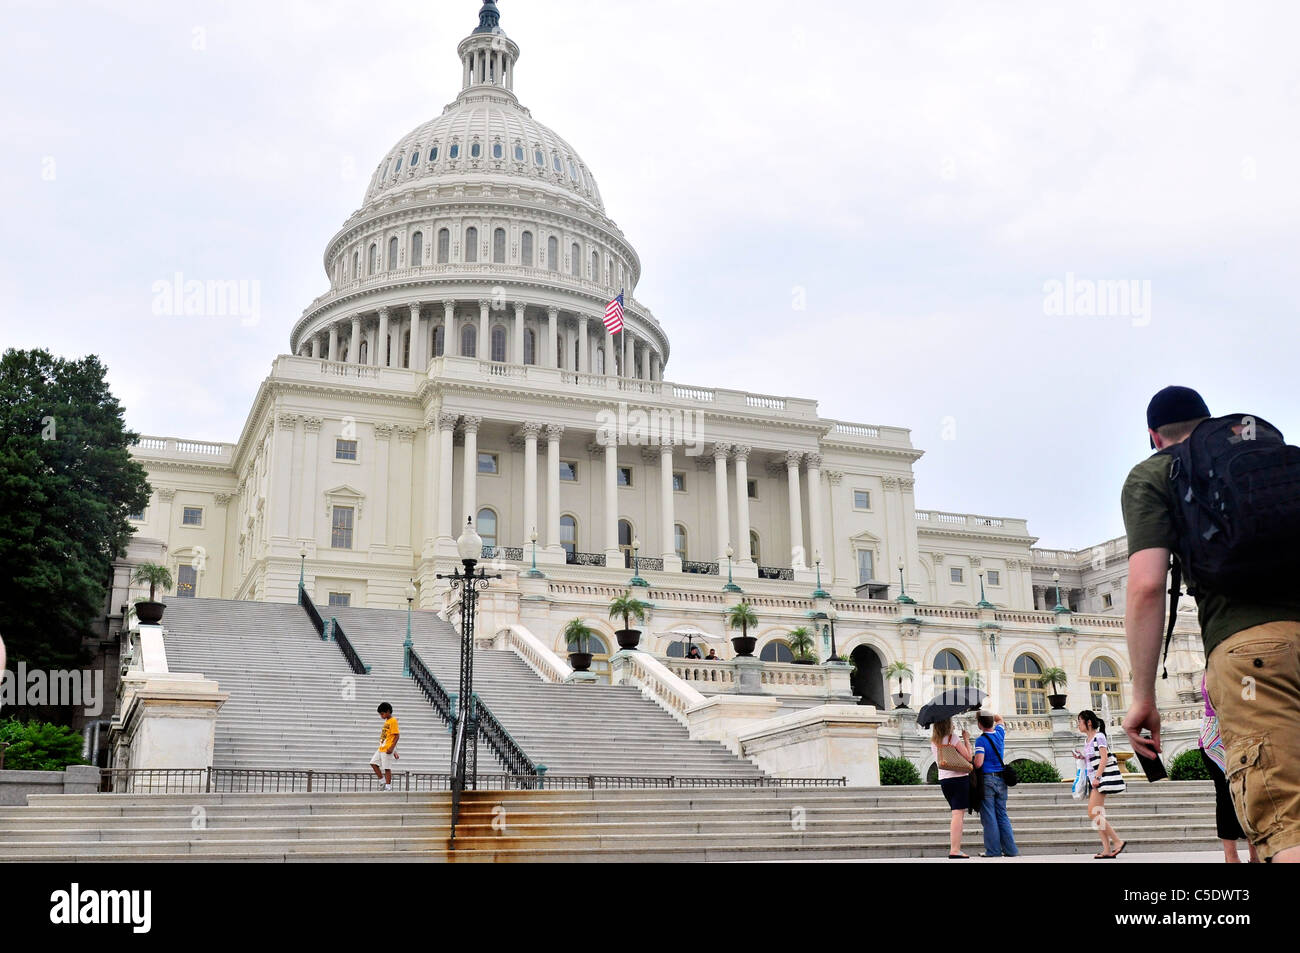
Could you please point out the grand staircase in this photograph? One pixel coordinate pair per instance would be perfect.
(616, 825)
(295, 703)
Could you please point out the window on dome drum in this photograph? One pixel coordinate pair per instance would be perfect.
(439, 341)
(755, 552)
(577, 355)
(862, 499)
(530, 346)
(751, 489)
(957, 575)
(372, 261)
(340, 599)
(499, 344)
(454, 151)
(487, 526)
(398, 168)
(192, 516)
(569, 534)
(471, 244)
(526, 249)
(573, 171)
(679, 541)
(575, 261)
(776, 651)
(552, 254)
(609, 274)
(595, 266)
(555, 163)
(406, 349)
(341, 527)
(624, 476)
(949, 671)
(415, 158)
(1103, 680)
(475, 150)
(679, 482)
(866, 565)
(488, 463)
(538, 158)
(468, 341)
(187, 581)
(1107, 601)
(444, 245)
(1031, 697)
(499, 246)
(994, 577)
(417, 249)
(392, 253)
(433, 154)
(356, 264)
(345, 449)
(363, 353)
(497, 151)
(569, 471)
(519, 153)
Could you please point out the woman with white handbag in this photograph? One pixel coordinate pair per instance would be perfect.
(952, 756)
(1103, 778)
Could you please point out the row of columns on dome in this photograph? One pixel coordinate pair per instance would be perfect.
(729, 463)
(407, 336)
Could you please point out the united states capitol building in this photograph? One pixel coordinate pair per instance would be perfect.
(458, 366)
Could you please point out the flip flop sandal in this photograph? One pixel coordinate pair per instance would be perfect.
(1120, 849)
(959, 856)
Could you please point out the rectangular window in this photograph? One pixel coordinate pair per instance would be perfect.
(488, 463)
(624, 476)
(341, 528)
(995, 577)
(340, 598)
(862, 499)
(1107, 601)
(345, 449)
(138, 516)
(569, 471)
(751, 489)
(187, 581)
(957, 575)
(679, 482)
(192, 516)
(866, 565)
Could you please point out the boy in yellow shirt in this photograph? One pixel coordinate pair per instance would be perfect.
(386, 754)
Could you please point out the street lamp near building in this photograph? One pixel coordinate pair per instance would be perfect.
(1056, 578)
(302, 567)
(636, 579)
(534, 573)
(819, 592)
(408, 645)
(983, 603)
(902, 585)
(731, 583)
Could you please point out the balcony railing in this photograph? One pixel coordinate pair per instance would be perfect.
(775, 572)
(507, 553)
(584, 559)
(703, 569)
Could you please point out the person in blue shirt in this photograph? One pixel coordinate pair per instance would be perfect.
(990, 747)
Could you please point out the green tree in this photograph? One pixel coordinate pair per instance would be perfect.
(801, 643)
(741, 616)
(154, 576)
(39, 746)
(898, 771)
(67, 485)
(577, 635)
(628, 607)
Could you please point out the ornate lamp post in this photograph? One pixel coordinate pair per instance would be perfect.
(302, 568)
(470, 582)
(983, 603)
(731, 583)
(904, 598)
(636, 565)
(1056, 578)
(835, 652)
(534, 573)
(819, 592)
(408, 645)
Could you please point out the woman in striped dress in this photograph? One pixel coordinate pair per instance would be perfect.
(1103, 778)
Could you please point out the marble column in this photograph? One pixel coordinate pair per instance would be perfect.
(553, 332)
(612, 552)
(379, 511)
(628, 370)
(419, 351)
(449, 344)
(484, 330)
(402, 534)
(798, 555)
(469, 491)
(656, 372)
(307, 492)
(282, 468)
(354, 340)
(333, 354)
(518, 353)
(814, 462)
(584, 346)
(530, 430)
(720, 451)
(381, 345)
(446, 450)
(314, 341)
(610, 363)
(667, 520)
(553, 434)
(741, 455)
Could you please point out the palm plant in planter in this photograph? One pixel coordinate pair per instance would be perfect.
(1054, 677)
(577, 636)
(900, 670)
(741, 616)
(628, 607)
(155, 577)
(802, 645)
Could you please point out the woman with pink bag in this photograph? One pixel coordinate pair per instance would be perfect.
(1226, 824)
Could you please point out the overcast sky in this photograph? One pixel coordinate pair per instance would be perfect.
(917, 175)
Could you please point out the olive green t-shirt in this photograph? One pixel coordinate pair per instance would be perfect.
(1148, 503)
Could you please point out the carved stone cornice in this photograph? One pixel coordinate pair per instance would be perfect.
(166, 493)
(287, 421)
(223, 499)
(554, 431)
(835, 476)
(384, 431)
(447, 420)
(740, 451)
(404, 434)
(793, 458)
(312, 424)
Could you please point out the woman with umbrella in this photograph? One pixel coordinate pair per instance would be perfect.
(952, 756)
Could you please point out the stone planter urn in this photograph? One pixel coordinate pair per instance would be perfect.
(1057, 702)
(580, 661)
(150, 613)
(628, 638)
(901, 699)
(744, 645)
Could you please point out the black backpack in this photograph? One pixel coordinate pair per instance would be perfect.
(1236, 487)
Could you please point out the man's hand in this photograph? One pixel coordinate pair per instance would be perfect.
(396, 756)
(1143, 714)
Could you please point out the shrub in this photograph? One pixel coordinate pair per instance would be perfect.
(1036, 772)
(1189, 766)
(1133, 766)
(898, 771)
(39, 745)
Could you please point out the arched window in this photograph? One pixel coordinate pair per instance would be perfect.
(433, 154)
(569, 536)
(439, 341)
(595, 267)
(415, 158)
(519, 152)
(398, 168)
(372, 259)
(363, 353)
(526, 249)
(949, 671)
(754, 551)
(625, 541)
(530, 346)
(468, 340)
(444, 246)
(497, 152)
(679, 540)
(471, 244)
(392, 253)
(1031, 697)
(575, 261)
(552, 254)
(499, 344)
(499, 246)
(475, 150)
(356, 265)
(1103, 679)
(538, 158)
(555, 163)
(454, 151)
(776, 651)
(609, 274)
(417, 249)
(487, 526)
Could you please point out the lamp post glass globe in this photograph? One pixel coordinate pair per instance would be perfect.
(470, 544)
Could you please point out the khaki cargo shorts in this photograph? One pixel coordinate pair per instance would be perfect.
(1253, 679)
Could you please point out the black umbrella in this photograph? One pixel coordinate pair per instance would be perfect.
(950, 702)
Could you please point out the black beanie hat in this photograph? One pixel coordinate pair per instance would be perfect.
(1173, 405)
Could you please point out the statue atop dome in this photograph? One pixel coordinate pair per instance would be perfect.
(489, 18)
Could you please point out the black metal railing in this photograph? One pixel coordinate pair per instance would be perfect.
(507, 553)
(345, 646)
(653, 563)
(504, 746)
(584, 559)
(432, 688)
(703, 569)
(317, 622)
(775, 572)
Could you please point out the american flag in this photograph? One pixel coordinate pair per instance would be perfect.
(614, 315)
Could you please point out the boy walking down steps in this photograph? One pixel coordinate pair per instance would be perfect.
(382, 762)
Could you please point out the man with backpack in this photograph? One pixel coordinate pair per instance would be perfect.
(1222, 496)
